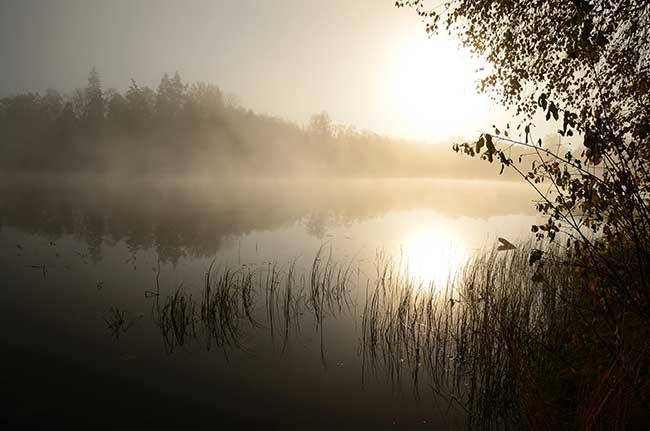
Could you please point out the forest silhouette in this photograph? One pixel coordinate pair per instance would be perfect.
(196, 130)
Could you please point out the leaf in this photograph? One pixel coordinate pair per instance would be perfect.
(542, 100)
(480, 143)
(491, 150)
(535, 256)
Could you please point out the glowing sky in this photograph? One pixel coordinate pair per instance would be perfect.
(366, 62)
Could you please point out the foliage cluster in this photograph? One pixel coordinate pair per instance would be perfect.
(583, 65)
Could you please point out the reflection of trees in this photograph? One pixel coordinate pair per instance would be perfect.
(195, 219)
(316, 223)
(93, 232)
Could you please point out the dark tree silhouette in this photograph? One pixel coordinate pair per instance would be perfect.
(321, 125)
(141, 107)
(94, 103)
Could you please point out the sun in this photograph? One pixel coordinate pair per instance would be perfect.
(432, 88)
(433, 256)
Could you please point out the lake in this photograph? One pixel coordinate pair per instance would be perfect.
(109, 318)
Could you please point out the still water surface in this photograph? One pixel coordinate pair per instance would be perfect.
(79, 256)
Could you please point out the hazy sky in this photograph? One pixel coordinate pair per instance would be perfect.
(366, 62)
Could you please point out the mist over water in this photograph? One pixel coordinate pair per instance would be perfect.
(172, 252)
(177, 255)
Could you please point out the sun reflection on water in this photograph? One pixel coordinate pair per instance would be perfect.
(434, 256)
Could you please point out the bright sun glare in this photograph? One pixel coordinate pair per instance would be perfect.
(433, 256)
(433, 89)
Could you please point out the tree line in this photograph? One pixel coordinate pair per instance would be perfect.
(182, 128)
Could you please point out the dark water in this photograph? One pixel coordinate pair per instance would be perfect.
(87, 266)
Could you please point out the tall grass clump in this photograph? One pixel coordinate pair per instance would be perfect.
(511, 341)
(233, 302)
(515, 345)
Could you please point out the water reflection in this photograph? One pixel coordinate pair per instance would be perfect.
(236, 304)
(434, 256)
(193, 219)
(130, 292)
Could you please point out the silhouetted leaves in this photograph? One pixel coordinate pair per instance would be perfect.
(535, 255)
(586, 64)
